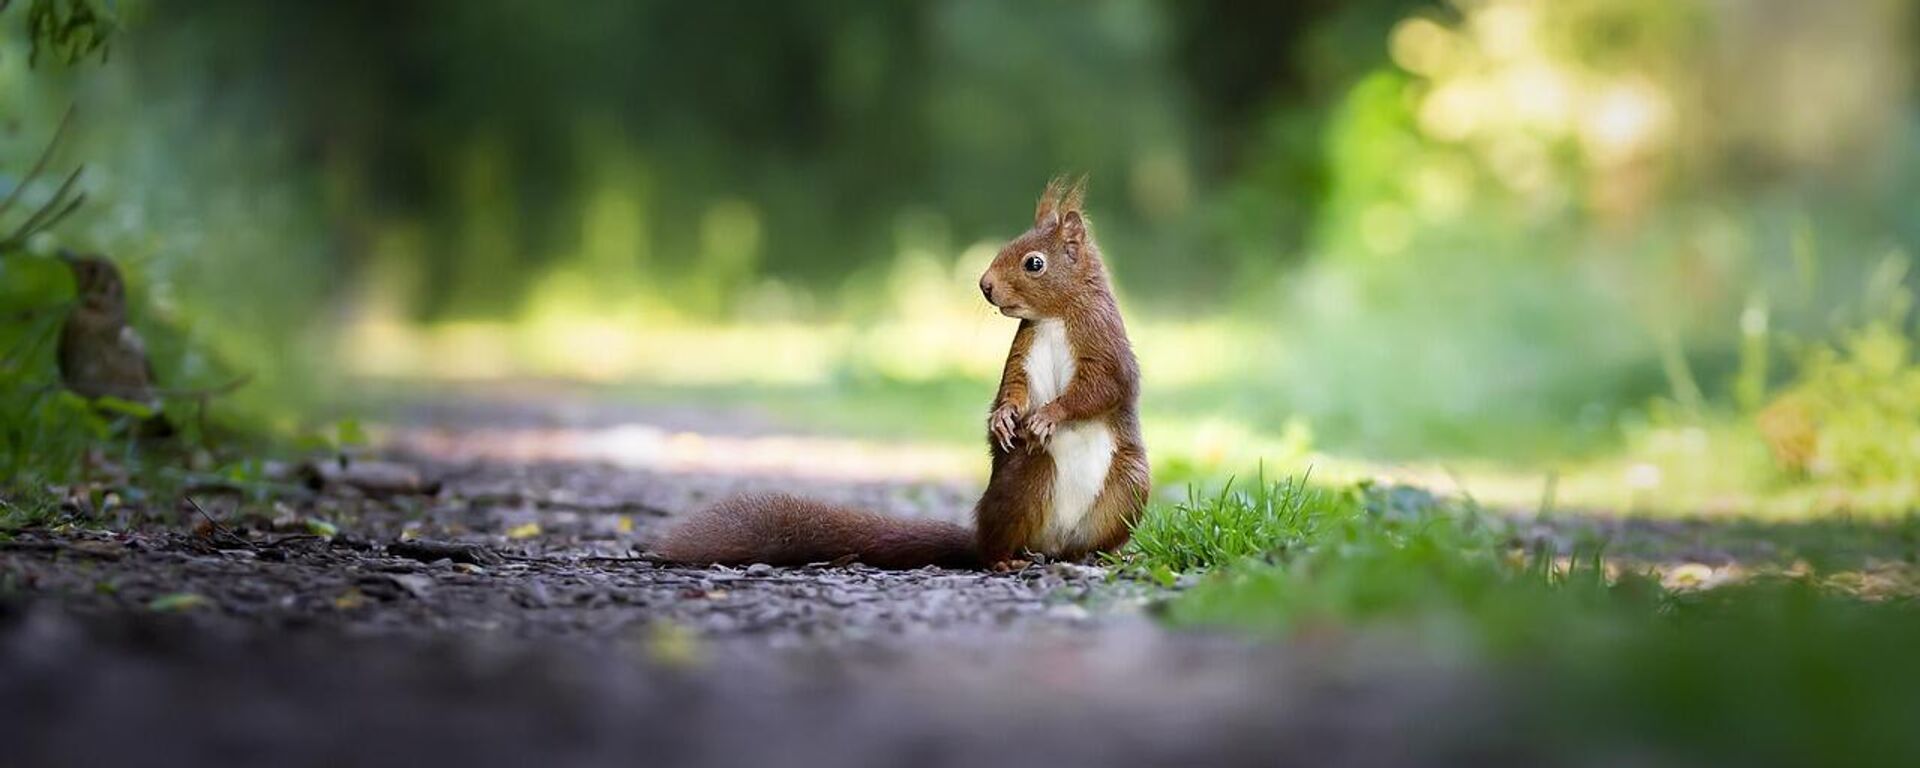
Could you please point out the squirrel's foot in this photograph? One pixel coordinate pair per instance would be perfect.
(1009, 566)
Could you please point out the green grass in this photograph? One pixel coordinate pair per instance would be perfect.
(1590, 654)
(1235, 523)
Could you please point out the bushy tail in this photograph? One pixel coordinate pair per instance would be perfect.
(780, 529)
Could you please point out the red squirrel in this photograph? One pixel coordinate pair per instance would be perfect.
(1069, 471)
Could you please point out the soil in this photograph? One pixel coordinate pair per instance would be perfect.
(483, 599)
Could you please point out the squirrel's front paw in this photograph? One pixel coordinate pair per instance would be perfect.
(1003, 425)
(1040, 424)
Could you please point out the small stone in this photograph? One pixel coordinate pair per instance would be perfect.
(1076, 571)
(415, 584)
(759, 569)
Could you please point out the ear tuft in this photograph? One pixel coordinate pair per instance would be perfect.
(1073, 193)
(1046, 213)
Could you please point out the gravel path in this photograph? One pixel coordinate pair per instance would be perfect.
(515, 626)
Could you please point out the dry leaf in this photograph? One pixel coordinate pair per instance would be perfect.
(524, 531)
(351, 599)
(177, 601)
(673, 645)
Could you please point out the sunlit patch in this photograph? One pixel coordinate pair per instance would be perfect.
(1625, 120)
(645, 446)
(1453, 111)
(1422, 46)
(1506, 31)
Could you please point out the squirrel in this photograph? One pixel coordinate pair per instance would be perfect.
(1069, 473)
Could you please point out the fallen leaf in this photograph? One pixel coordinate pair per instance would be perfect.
(322, 528)
(623, 523)
(524, 531)
(349, 432)
(673, 645)
(177, 601)
(350, 599)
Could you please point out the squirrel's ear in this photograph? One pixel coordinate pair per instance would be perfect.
(1073, 232)
(1073, 223)
(1046, 220)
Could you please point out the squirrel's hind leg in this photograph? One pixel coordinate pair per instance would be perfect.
(1012, 512)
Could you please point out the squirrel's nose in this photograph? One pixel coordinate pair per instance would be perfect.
(986, 288)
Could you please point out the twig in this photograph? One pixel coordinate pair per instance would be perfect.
(20, 236)
(32, 224)
(217, 527)
(57, 208)
(290, 538)
(40, 165)
(427, 551)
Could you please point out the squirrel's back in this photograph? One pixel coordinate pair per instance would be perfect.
(786, 530)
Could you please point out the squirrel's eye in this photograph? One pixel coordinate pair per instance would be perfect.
(1034, 262)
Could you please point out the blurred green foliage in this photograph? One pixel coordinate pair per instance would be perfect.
(1518, 229)
(1861, 397)
(499, 132)
(68, 30)
(219, 256)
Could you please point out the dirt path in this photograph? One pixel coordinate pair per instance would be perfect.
(532, 637)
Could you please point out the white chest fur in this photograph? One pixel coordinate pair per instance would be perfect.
(1082, 451)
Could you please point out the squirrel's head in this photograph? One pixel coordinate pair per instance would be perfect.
(96, 282)
(1041, 273)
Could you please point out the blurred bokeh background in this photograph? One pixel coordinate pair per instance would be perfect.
(1631, 252)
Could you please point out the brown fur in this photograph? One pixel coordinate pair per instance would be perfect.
(1011, 516)
(1074, 288)
(780, 529)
